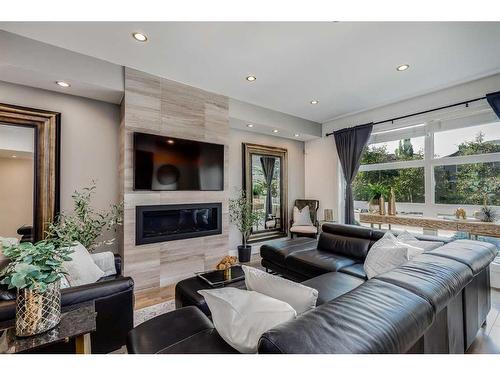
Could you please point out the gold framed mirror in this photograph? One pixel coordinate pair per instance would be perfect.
(29, 152)
(265, 181)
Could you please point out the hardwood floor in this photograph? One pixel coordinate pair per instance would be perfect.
(154, 296)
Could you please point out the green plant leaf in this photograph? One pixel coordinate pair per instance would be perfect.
(18, 280)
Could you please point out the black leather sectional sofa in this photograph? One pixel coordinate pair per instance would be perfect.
(340, 248)
(114, 304)
(434, 303)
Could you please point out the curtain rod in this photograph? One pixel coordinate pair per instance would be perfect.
(423, 112)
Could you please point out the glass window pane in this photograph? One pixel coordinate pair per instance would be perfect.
(408, 184)
(398, 150)
(473, 140)
(468, 183)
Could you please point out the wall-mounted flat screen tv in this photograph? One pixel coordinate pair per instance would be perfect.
(167, 163)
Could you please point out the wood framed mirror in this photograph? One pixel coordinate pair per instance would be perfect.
(29, 168)
(265, 181)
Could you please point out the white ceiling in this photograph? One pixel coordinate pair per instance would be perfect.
(28, 62)
(347, 66)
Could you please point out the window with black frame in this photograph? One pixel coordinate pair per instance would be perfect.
(435, 165)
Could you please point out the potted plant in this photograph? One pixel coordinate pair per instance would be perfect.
(86, 225)
(377, 194)
(488, 214)
(35, 270)
(244, 217)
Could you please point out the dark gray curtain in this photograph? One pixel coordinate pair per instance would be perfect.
(350, 143)
(268, 169)
(494, 101)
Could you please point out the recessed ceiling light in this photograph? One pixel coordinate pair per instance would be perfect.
(251, 78)
(314, 101)
(250, 125)
(63, 84)
(402, 68)
(296, 135)
(140, 37)
(275, 131)
(14, 156)
(170, 141)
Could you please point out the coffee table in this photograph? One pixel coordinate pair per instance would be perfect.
(186, 292)
(219, 278)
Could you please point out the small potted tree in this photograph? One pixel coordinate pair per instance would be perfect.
(35, 270)
(86, 224)
(378, 193)
(244, 217)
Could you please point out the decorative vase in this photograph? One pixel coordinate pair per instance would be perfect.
(38, 312)
(381, 206)
(227, 274)
(374, 205)
(328, 214)
(391, 205)
(244, 253)
(460, 213)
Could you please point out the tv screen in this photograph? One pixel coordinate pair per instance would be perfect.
(167, 163)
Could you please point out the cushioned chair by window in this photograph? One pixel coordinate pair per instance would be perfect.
(309, 228)
(271, 222)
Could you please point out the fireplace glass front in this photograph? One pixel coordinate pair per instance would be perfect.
(174, 222)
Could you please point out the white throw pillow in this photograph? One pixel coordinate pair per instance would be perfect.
(309, 229)
(63, 283)
(81, 269)
(242, 316)
(408, 238)
(413, 249)
(106, 262)
(384, 255)
(302, 217)
(302, 298)
(9, 240)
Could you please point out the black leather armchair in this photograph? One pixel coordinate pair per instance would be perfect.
(114, 303)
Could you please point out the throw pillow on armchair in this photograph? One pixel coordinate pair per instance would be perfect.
(302, 217)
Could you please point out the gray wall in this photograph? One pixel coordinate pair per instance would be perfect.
(16, 195)
(295, 170)
(89, 140)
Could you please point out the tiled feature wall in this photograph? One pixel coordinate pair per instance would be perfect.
(160, 106)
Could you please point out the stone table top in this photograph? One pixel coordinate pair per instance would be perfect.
(75, 322)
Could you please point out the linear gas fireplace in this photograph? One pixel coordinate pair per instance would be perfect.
(177, 221)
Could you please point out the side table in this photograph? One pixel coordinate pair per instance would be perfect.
(77, 323)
